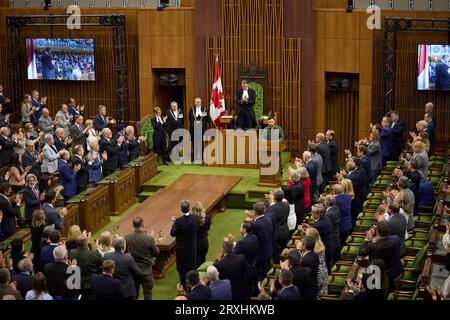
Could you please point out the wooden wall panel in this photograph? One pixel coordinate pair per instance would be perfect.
(168, 51)
(341, 55)
(167, 23)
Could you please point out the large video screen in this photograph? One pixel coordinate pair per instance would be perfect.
(433, 67)
(60, 59)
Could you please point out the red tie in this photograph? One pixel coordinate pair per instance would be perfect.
(37, 196)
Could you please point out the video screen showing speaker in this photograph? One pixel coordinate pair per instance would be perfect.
(433, 67)
(60, 59)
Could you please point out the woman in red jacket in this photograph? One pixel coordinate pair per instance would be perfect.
(304, 176)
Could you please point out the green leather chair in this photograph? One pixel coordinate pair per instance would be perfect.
(259, 103)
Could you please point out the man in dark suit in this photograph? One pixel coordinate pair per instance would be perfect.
(263, 230)
(334, 151)
(133, 143)
(51, 216)
(280, 214)
(126, 269)
(101, 121)
(245, 100)
(220, 288)
(23, 279)
(159, 135)
(61, 141)
(105, 286)
(78, 132)
(7, 147)
(89, 262)
(442, 74)
(376, 245)
(198, 122)
(11, 210)
(47, 255)
(398, 126)
(31, 158)
(184, 230)
(48, 67)
(234, 268)
(248, 246)
(301, 275)
(289, 291)
(324, 226)
(198, 291)
(310, 260)
(39, 104)
(31, 196)
(143, 249)
(431, 130)
(82, 177)
(174, 121)
(56, 274)
(358, 179)
(323, 149)
(122, 153)
(397, 225)
(111, 147)
(312, 172)
(334, 214)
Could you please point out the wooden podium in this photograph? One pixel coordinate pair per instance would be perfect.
(273, 180)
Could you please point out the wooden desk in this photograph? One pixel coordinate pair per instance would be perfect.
(122, 190)
(145, 168)
(72, 218)
(272, 180)
(93, 208)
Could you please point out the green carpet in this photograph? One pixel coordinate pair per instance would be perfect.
(222, 224)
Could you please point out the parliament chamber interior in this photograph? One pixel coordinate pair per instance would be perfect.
(238, 150)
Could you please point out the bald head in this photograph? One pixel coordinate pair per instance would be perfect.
(4, 131)
(45, 112)
(429, 107)
(129, 130)
(306, 156)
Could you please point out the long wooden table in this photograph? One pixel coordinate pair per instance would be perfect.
(158, 210)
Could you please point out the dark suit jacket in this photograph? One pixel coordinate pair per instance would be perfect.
(358, 178)
(334, 154)
(82, 176)
(100, 123)
(172, 123)
(204, 119)
(431, 130)
(47, 255)
(397, 134)
(312, 172)
(442, 76)
(234, 268)
(334, 214)
(32, 202)
(220, 289)
(10, 212)
(122, 153)
(126, 270)
(303, 281)
(289, 293)
(383, 249)
(184, 230)
(249, 104)
(248, 246)
(56, 275)
(397, 226)
(133, 148)
(325, 228)
(67, 179)
(59, 144)
(263, 230)
(29, 159)
(89, 263)
(324, 150)
(311, 260)
(52, 217)
(7, 150)
(298, 195)
(280, 214)
(106, 287)
(78, 136)
(111, 148)
(200, 292)
(24, 282)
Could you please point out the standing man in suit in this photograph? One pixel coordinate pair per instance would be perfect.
(280, 213)
(78, 132)
(310, 260)
(376, 244)
(248, 246)
(7, 146)
(39, 104)
(133, 143)
(288, 290)
(56, 272)
(263, 230)
(48, 65)
(74, 109)
(198, 122)
(220, 289)
(105, 286)
(31, 196)
(23, 279)
(111, 147)
(334, 214)
(62, 141)
(174, 121)
(442, 74)
(198, 291)
(47, 255)
(159, 135)
(330, 137)
(63, 119)
(323, 149)
(234, 268)
(45, 122)
(143, 249)
(245, 100)
(397, 223)
(430, 130)
(398, 126)
(67, 176)
(301, 275)
(357, 176)
(126, 269)
(297, 191)
(101, 121)
(31, 158)
(122, 153)
(51, 216)
(11, 210)
(82, 177)
(386, 139)
(184, 230)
